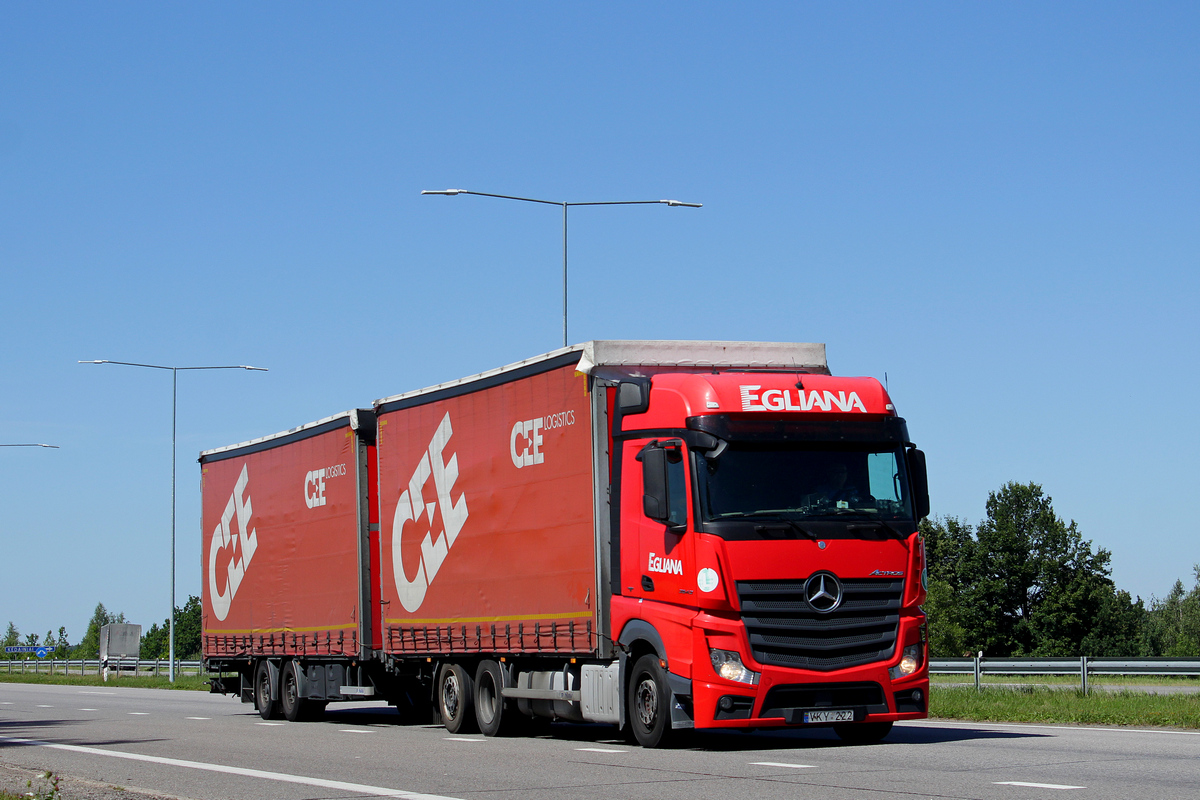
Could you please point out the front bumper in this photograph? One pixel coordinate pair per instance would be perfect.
(787, 697)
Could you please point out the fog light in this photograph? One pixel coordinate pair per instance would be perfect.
(917, 695)
(728, 664)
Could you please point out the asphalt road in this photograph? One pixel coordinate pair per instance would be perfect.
(194, 745)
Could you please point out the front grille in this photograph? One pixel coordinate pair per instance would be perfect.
(786, 631)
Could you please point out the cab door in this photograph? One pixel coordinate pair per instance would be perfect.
(657, 552)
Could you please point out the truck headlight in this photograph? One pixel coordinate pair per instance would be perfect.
(910, 662)
(728, 664)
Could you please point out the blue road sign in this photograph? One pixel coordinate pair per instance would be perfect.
(40, 650)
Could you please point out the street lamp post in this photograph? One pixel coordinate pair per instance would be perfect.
(174, 405)
(565, 206)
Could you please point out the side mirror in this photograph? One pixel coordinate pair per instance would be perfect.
(920, 483)
(655, 500)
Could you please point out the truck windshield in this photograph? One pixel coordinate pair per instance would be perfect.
(805, 482)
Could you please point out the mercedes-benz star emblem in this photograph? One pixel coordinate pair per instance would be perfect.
(823, 592)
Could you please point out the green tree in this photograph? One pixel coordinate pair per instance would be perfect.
(89, 645)
(1024, 582)
(64, 646)
(1038, 586)
(156, 642)
(1172, 625)
(948, 542)
(187, 629)
(1118, 628)
(12, 638)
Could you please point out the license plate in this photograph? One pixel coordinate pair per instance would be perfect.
(845, 715)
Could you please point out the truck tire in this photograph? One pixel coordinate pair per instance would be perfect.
(863, 732)
(267, 708)
(455, 699)
(649, 703)
(294, 707)
(490, 711)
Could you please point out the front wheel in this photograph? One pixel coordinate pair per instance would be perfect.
(456, 699)
(267, 708)
(649, 702)
(863, 732)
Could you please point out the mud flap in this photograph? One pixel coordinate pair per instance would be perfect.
(273, 671)
(681, 702)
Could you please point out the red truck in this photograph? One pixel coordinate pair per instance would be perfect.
(657, 535)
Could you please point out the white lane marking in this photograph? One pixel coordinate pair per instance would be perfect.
(283, 777)
(599, 750)
(45, 706)
(931, 724)
(105, 693)
(352, 730)
(270, 723)
(199, 717)
(780, 764)
(1036, 785)
(139, 713)
(6, 703)
(460, 739)
(86, 709)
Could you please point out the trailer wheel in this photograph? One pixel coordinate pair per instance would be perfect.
(489, 700)
(455, 697)
(267, 708)
(649, 703)
(295, 708)
(863, 732)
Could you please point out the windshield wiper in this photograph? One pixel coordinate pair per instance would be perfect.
(875, 524)
(791, 523)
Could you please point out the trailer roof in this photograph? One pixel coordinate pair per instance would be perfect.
(625, 357)
(309, 429)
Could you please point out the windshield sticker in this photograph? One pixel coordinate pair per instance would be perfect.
(707, 580)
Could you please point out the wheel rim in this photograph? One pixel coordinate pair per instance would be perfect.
(264, 689)
(647, 702)
(450, 695)
(289, 689)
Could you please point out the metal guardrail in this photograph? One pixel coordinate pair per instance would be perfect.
(116, 666)
(1084, 667)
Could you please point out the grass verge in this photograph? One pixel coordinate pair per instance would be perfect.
(186, 682)
(1040, 704)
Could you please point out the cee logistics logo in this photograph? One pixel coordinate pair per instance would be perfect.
(243, 545)
(409, 509)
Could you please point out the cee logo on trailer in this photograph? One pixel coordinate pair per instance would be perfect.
(223, 537)
(409, 509)
(528, 451)
(314, 484)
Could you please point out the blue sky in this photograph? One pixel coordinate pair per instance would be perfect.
(995, 205)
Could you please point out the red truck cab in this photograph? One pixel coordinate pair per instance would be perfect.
(769, 538)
